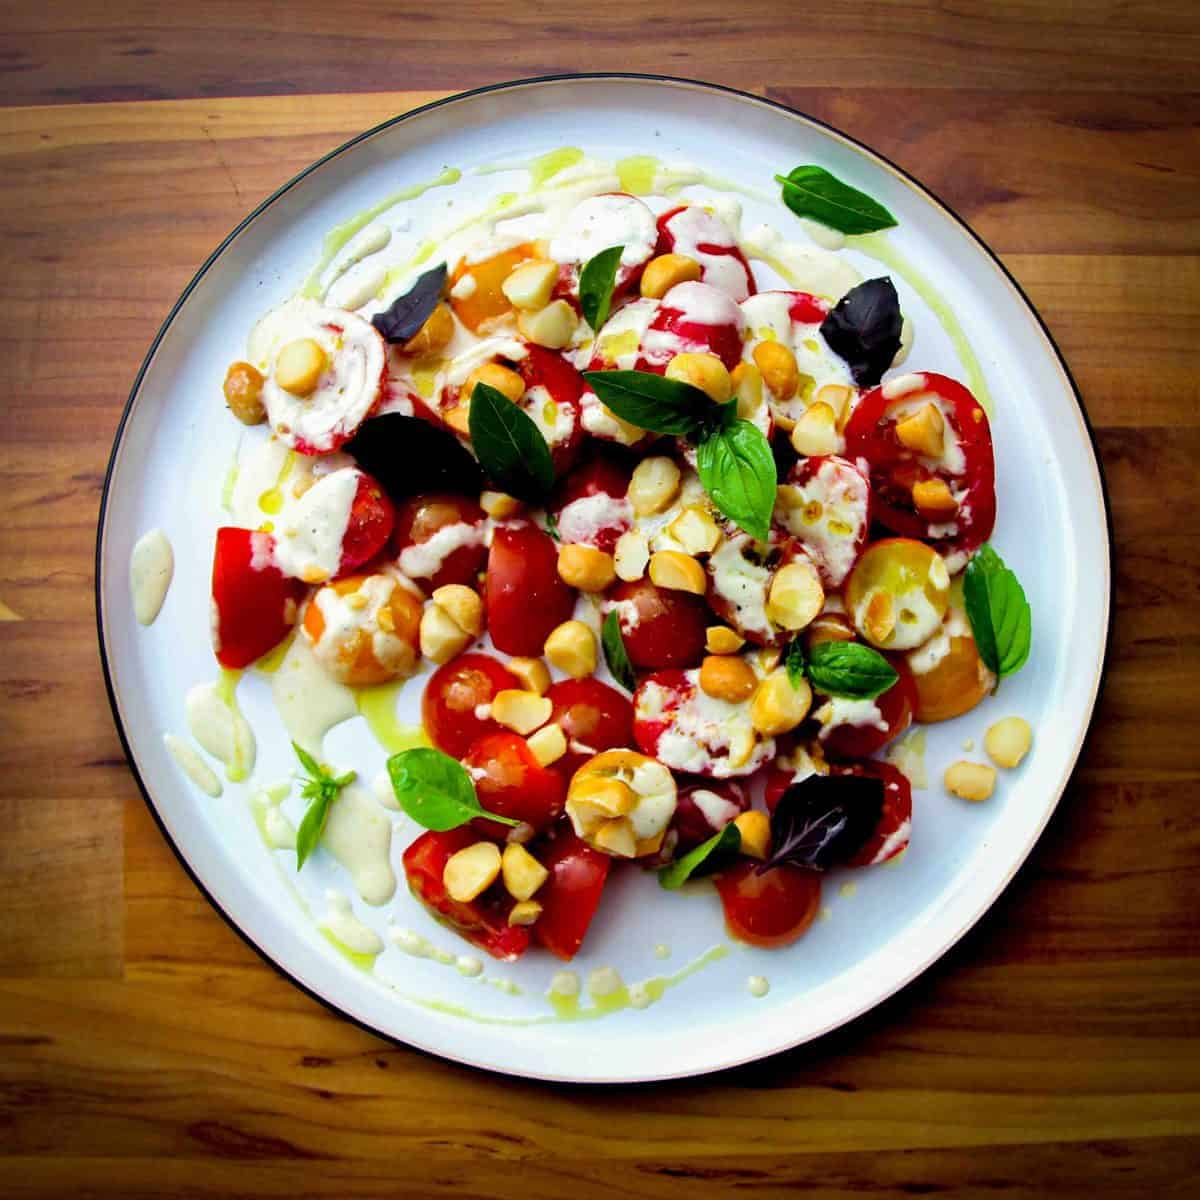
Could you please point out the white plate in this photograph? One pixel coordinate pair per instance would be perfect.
(174, 445)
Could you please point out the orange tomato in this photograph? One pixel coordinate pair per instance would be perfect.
(487, 302)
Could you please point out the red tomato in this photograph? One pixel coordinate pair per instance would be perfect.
(510, 782)
(372, 516)
(703, 236)
(896, 707)
(526, 599)
(438, 539)
(782, 773)
(552, 400)
(593, 716)
(704, 808)
(590, 506)
(826, 506)
(571, 894)
(969, 473)
(661, 627)
(771, 908)
(482, 921)
(453, 696)
(254, 604)
(895, 824)
(693, 318)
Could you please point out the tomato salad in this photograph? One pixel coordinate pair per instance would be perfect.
(680, 559)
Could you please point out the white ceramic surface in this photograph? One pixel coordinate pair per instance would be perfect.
(176, 442)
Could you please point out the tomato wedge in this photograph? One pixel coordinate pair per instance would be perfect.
(510, 782)
(571, 894)
(526, 599)
(702, 235)
(482, 921)
(954, 448)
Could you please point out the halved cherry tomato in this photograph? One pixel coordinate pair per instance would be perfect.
(254, 603)
(552, 401)
(661, 627)
(702, 235)
(955, 684)
(438, 540)
(487, 303)
(372, 516)
(897, 593)
(593, 716)
(825, 504)
(740, 574)
(591, 507)
(967, 464)
(526, 599)
(510, 782)
(704, 808)
(455, 697)
(693, 318)
(571, 894)
(482, 921)
(895, 824)
(769, 908)
(896, 707)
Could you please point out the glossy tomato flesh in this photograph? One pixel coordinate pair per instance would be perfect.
(769, 908)
(372, 517)
(526, 599)
(456, 694)
(593, 716)
(510, 782)
(420, 518)
(892, 833)
(667, 629)
(896, 707)
(571, 895)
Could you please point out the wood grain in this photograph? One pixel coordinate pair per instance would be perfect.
(1052, 1052)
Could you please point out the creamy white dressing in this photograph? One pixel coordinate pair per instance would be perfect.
(346, 929)
(908, 757)
(743, 583)
(585, 519)
(217, 724)
(840, 710)
(277, 831)
(604, 221)
(358, 833)
(192, 765)
(758, 986)
(604, 981)
(695, 227)
(423, 560)
(716, 810)
(344, 620)
(807, 268)
(308, 541)
(309, 700)
(151, 567)
(828, 514)
(564, 983)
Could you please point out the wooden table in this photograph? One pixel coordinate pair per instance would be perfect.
(1053, 1052)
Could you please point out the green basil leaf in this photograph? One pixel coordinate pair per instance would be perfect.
(998, 611)
(311, 828)
(309, 763)
(596, 285)
(552, 527)
(615, 653)
(653, 402)
(812, 192)
(737, 469)
(509, 445)
(703, 860)
(435, 790)
(850, 669)
(793, 661)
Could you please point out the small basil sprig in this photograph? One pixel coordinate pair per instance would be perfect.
(863, 328)
(812, 192)
(793, 662)
(706, 858)
(824, 820)
(615, 653)
(436, 791)
(737, 470)
(998, 611)
(850, 669)
(406, 314)
(321, 789)
(552, 527)
(509, 445)
(596, 282)
(734, 458)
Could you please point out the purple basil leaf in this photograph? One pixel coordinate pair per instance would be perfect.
(824, 821)
(864, 329)
(409, 312)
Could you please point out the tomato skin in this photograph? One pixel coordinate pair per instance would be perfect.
(897, 811)
(681, 333)
(691, 825)
(955, 686)
(600, 475)
(254, 607)
(419, 518)
(547, 368)
(526, 599)
(870, 434)
(667, 240)
(670, 625)
(372, 518)
(452, 695)
(896, 707)
(482, 921)
(771, 908)
(487, 303)
(571, 895)
(592, 714)
(510, 782)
